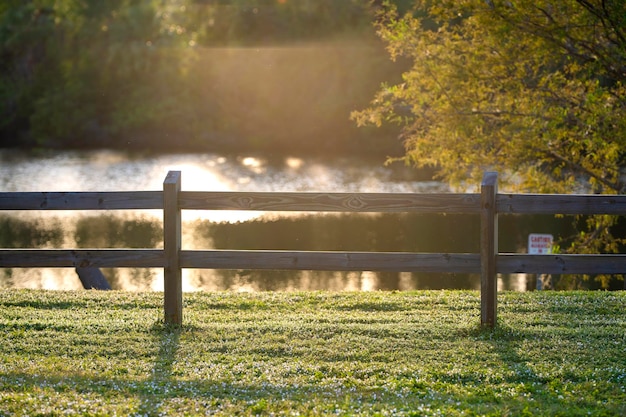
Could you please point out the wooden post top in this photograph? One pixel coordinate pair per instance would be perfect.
(173, 177)
(490, 178)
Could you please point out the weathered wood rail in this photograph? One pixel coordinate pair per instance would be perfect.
(171, 200)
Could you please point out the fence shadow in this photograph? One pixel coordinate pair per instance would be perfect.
(167, 338)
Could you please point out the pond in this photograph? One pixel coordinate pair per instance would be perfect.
(119, 171)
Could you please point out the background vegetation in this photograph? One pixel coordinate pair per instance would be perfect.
(189, 74)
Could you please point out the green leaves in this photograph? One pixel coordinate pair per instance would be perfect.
(514, 88)
(535, 90)
(94, 71)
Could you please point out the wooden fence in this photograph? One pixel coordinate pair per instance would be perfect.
(171, 200)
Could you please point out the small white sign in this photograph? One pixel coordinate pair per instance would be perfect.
(539, 244)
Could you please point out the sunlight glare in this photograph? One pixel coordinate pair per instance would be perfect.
(405, 281)
(294, 163)
(253, 164)
(369, 281)
(196, 177)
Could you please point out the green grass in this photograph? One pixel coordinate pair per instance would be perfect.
(312, 353)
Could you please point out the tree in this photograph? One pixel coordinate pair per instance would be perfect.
(533, 89)
(153, 74)
(75, 72)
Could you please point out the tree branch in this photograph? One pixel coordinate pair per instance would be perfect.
(605, 16)
(615, 186)
(499, 113)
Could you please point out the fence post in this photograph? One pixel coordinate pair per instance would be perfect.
(172, 274)
(488, 249)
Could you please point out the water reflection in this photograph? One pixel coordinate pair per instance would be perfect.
(325, 280)
(404, 232)
(115, 171)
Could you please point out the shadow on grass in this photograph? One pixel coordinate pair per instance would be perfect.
(154, 392)
(536, 393)
(160, 387)
(167, 337)
(551, 363)
(504, 367)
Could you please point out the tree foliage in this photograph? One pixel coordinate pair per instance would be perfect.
(258, 22)
(147, 73)
(77, 69)
(533, 89)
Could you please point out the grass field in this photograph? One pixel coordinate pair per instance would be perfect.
(312, 353)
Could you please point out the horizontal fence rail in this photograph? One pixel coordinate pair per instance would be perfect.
(82, 258)
(171, 200)
(328, 202)
(561, 264)
(332, 261)
(561, 204)
(331, 202)
(123, 200)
